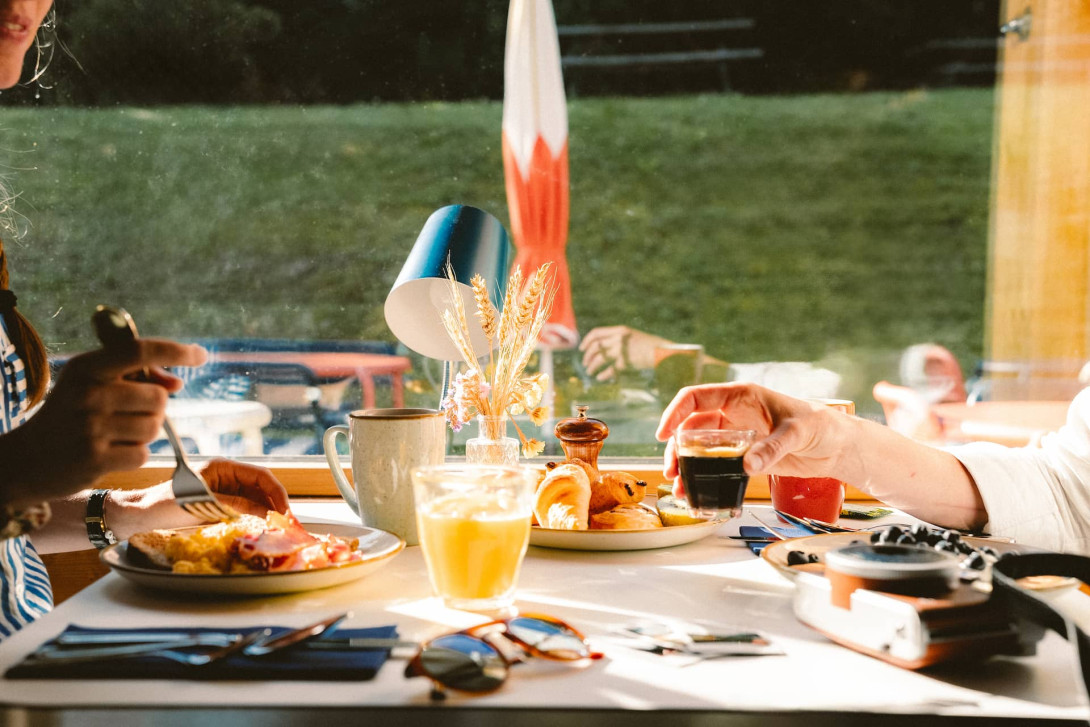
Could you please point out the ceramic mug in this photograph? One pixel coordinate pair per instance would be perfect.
(386, 446)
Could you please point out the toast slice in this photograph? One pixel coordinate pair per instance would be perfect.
(149, 549)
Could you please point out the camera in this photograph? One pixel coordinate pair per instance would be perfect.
(906, 605)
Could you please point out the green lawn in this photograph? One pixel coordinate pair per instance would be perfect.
(834, 228)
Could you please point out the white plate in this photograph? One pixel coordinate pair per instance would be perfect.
(622, 539)
(378, 547)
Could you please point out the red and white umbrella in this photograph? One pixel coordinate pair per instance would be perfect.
(535, 155)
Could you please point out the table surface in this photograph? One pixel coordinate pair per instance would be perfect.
(220, 413)
(1005, 422)
(325, 363)
(715, 583)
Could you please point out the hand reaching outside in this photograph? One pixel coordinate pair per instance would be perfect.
(610, 349)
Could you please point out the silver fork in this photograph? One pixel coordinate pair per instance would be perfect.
(115, 326)
(165, 650)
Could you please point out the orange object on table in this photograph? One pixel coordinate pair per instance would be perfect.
(818, 498)
(337, 364)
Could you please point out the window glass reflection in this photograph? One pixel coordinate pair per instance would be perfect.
(775, 191)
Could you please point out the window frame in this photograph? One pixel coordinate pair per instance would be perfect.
(310, 477)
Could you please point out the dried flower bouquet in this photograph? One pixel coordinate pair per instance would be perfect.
(500, 388)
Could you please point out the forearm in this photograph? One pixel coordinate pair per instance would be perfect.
(925, 482)
(126, 512)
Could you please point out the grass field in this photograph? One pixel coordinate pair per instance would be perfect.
(832, 228)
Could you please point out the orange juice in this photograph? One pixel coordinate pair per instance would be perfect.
(473, 546)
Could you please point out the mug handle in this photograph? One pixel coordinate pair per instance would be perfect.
(329, 444)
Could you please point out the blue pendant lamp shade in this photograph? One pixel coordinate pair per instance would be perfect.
(473, 242)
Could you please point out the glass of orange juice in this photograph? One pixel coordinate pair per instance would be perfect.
(474, 526)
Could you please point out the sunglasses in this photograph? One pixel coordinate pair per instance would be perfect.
(470, 660)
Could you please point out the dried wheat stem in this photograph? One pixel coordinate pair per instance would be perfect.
(510, 306)
(531, 297)
(486, 312)
(461, 341)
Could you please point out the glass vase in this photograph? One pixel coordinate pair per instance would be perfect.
(492, 445)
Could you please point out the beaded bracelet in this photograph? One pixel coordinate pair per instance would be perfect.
(14, 523)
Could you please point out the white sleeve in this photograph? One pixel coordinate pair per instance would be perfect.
(1038, 496)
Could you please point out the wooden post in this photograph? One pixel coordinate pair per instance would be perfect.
(1039, 267)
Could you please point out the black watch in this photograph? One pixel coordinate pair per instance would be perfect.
(98, 532)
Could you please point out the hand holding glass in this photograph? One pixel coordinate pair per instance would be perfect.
(817, 498)
(710, 464)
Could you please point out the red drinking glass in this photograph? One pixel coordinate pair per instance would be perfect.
(817, 498)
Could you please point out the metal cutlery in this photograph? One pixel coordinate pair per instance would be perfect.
(86, 646)
(167, 650)
(296, 636)
(119, 638)
(663, 639)
(359, 644)
(114, 326)
(769, 528)
(816, 526)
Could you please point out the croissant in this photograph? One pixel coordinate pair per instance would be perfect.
(631, 516)
(562, 499)
(616, 488)
(592, 471)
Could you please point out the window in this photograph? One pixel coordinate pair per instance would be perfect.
(780, 183)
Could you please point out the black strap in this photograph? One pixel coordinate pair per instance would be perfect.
(1025, 604)
(98, 532)
(7, 301)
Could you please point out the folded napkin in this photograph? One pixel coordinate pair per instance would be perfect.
(295, 662)
(754, 531)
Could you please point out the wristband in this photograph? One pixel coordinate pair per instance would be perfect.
(98, 532)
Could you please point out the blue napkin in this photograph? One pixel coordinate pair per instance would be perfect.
(291, 663)
(755, 531)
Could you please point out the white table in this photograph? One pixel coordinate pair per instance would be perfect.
(715, 582)
(205, 420)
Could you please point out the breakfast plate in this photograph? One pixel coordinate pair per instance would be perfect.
(377, 548)
(622, 539)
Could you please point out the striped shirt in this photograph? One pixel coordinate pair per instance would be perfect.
(25, 593)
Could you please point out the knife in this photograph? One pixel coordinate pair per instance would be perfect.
(295, 636)
(117, 638)
(359, 644)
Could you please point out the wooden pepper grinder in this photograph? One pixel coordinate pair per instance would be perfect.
(581, 437)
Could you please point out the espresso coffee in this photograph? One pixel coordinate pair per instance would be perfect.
(714, 478)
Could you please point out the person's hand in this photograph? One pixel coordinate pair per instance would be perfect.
(609, 349)
(96, 420)
(794, 437)
(557, 336)
(250, 489)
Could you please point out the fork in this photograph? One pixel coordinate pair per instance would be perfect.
(165, 650)
(114, 326)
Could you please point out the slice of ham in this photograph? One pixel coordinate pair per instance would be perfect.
(286, 546)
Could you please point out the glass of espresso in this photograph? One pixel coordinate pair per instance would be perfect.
(710, 464)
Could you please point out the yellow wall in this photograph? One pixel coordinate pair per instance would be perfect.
(1040, 233)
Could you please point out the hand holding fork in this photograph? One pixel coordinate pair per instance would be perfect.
(114, 326)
